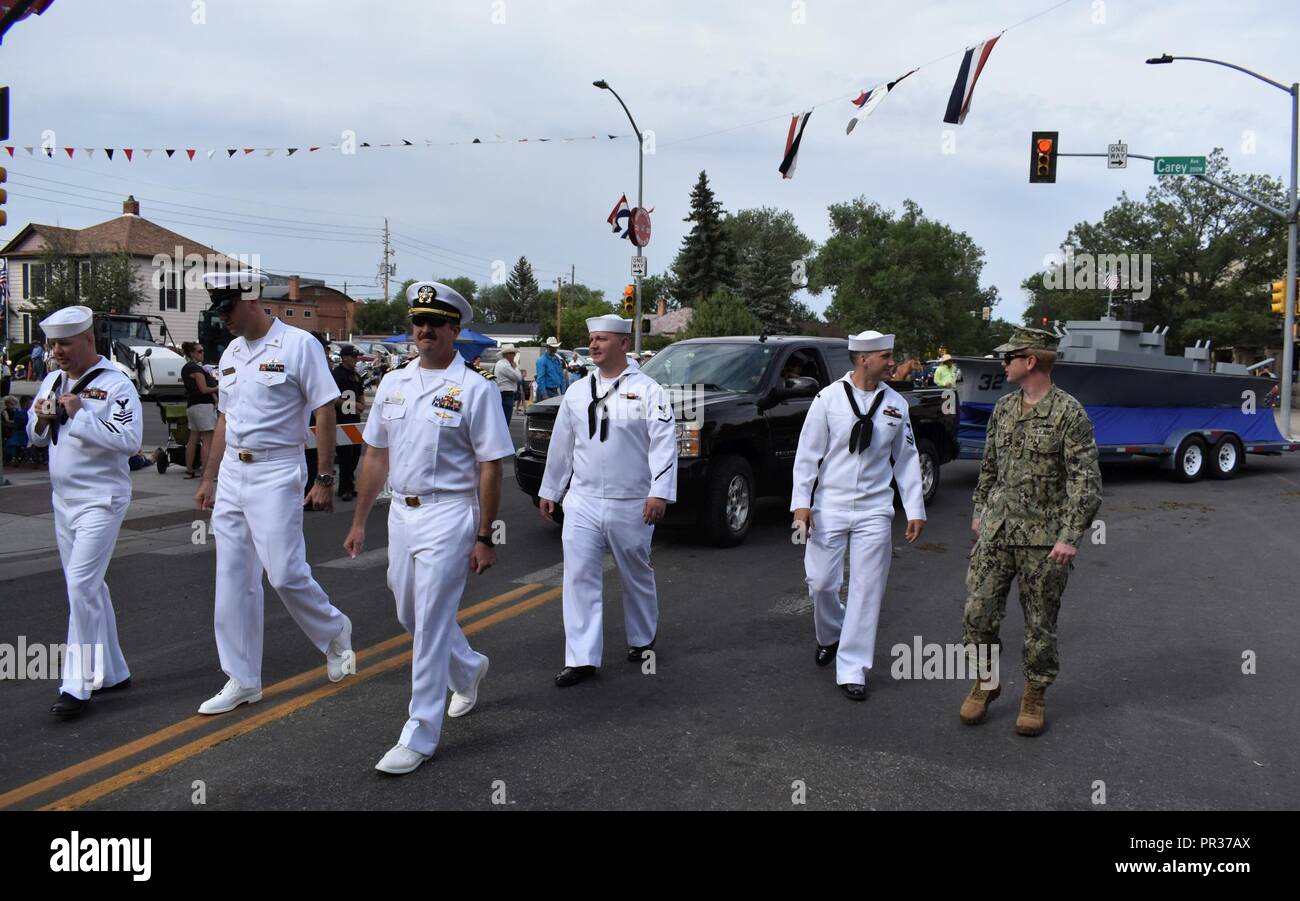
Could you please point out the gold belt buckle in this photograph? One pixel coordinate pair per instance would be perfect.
(245, 456)
(412, 502)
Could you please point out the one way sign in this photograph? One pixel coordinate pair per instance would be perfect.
(1116, 156)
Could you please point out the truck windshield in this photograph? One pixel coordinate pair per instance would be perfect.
(730, 367)
(128, 331)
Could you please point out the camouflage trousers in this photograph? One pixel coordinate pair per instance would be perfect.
(988, 581)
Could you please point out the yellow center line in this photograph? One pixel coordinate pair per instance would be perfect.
(144, 743)
(194, 748)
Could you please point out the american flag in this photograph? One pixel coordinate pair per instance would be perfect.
(4, 284)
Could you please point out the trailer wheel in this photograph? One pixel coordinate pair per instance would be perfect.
(929, 459)
(1226, 458)
(160, 460)
(1190, 459)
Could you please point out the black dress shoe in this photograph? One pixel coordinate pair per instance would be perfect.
(854, 691)
(634, 653)
(572, 675)
(125, 683)
(68, 706)
(826, 653)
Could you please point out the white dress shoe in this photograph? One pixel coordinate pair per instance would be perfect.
(229, 698)
(339, 659)
(401, 759)
(463, 702)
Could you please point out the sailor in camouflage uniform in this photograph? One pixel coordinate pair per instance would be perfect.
(1039, 489)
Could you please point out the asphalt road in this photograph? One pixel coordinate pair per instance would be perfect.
(1151, 700)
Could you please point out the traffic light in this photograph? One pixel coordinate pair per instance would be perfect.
(629, 299)
(4, 196)
(1042, 157)
(1279, 297)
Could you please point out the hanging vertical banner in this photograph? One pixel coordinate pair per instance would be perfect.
(798, 122)
(869, 100)
(972, 64)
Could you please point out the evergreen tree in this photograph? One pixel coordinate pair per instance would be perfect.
(707, 259)
(771, 248)
(521, 285)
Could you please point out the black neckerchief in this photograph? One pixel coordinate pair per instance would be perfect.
(860, 437)
(62, 418)
(597, 405)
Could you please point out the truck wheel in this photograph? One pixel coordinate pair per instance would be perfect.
(728, 502)
(1226, 458)
(929, 455)
(1190, 459)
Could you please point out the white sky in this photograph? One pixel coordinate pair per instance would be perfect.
(716, 82)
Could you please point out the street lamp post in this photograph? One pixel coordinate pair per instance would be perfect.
(1290, 215)
(640, 178)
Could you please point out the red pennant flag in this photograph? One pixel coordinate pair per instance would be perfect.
(127, 151)
(248, 150)
(309, 149)
(11, 150)
(189, 151)
(69, 151)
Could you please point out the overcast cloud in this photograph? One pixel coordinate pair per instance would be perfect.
(282, 73)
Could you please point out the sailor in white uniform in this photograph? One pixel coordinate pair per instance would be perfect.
(612, 460)
(435, 435)
(857, 437)
(88, 413)
(271, 378)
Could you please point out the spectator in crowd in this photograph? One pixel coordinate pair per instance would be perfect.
(350, 405)
(945, 374)
(200, 403)
(37, 362)
(15, 426)
(550, 371)
(509, 379)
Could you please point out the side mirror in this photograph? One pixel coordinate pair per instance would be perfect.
(147, 352)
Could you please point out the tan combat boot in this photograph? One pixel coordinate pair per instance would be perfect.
(1033, 711)
(977, 703)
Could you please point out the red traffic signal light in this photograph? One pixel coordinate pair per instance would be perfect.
(1042, 157)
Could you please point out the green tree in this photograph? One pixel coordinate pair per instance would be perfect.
(109, 284)
(467, 287)
(903, 274)
(771, 251)
(571, 297)
(380, 317)
(573, 321)
(655, 288)
(521, 287)
(1211, 259)
(722, 313)
(707, 259)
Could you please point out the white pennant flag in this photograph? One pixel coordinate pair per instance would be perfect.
(869, 100)
(210, 152)
(89, 151)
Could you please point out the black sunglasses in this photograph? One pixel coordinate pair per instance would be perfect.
(1008, 357)
(422, 319)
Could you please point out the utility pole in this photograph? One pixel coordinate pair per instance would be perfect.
(559, 285)
(386, 265)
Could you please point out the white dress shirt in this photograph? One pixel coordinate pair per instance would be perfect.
(638, 458)
(860, 481)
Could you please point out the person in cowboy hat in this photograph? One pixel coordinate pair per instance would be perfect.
(435, 436)
(550, 371)
(88, 414)
(612, 460)
(509, 379)
(272, 378)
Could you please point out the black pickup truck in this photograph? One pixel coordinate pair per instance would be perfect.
(740, 404)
